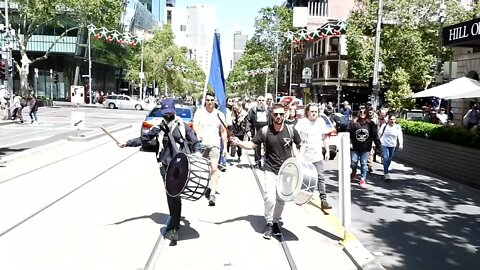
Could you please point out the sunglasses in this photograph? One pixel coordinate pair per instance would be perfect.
(279, 114)
(313, 111)
(362, 112)
(210, 100)
(261, 100)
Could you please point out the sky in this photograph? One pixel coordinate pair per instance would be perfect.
(233, 15)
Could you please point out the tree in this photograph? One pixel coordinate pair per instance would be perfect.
(270, 26)
(397, 96)
(157, 51)
(66, 15)
(409, 37)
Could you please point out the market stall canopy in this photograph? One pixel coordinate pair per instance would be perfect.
(455, 88)
(471, 94)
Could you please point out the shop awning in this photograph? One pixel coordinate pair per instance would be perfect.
(454, 89)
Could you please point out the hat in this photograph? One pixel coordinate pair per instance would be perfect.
(168, 106)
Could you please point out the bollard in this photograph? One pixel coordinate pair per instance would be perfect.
(344, 171)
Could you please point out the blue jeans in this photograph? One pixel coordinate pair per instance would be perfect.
(363, 157)
(387, 157)
(33, 115)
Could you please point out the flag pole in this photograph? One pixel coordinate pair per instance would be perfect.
(207, 75)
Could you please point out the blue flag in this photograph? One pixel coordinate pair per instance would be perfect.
(216, 78)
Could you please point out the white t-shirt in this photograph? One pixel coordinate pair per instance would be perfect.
(209, 126)
(390, 135)
(312, 134)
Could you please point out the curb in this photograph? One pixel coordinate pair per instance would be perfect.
(96, 134)
(30, 151)
(6, 122)
(69, 104)
(358, 253)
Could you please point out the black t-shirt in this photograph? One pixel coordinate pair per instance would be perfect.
(278, 146)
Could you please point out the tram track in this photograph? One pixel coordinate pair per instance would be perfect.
(283, 243)
(56, 161)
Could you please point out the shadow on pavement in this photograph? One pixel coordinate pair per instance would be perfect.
(257, 222)
(7, 150)
(325, 233)
(158, 218)
(438, 227)
(186, 232)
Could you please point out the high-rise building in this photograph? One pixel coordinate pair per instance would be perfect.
(201, 25)
(177, 17)
(239, 43)
(157, 8)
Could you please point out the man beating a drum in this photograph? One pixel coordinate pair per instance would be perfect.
(184, 137)
(278, 139)
(207, 124)
(314, 134)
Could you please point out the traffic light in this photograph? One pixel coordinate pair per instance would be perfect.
(11, 70)
(2, 69)
(55, 77)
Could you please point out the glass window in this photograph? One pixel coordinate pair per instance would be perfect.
(333, 69)
(321, 70)
(334, 44)
(156, 112)
(183, 112)
(111, 97)
(183, 28)
(315, 71)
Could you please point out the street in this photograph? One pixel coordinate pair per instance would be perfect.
(91, 205)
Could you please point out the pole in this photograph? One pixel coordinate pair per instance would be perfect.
(89, 68)
(276, 73)
(344, 181)
(339, 86)
(376, 86)
(441, 18)
(266, 84)
(141, 69)
(8, 77)
(291, 70)
(51, 84)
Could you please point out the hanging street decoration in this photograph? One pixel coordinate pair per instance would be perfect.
(110, 36)
(258, 71)
(329, 29)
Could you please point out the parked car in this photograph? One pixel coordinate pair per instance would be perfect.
(124, 102)
(155, 116)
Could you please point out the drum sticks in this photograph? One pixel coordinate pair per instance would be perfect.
(110, 135)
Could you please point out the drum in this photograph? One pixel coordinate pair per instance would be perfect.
(296, 181)
(187, 176)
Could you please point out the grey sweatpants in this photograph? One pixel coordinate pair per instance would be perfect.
(273, 204)
(320, 166)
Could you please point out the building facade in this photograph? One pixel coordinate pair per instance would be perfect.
(239, 43)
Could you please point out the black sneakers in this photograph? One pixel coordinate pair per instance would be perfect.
(276, 229)
(172, 234)
(211, 201)
(325, 206)
(268, 231)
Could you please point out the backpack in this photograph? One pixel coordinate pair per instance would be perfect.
(23, 102)
(7, 95)
(289, 129)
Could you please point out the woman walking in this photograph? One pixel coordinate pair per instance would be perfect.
(238, 127)
(391, 135)
(33, 104)
(362, 133)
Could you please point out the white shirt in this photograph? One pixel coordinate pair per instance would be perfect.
(442, 117)
(390, 135)
(312, 134)
(208, 126)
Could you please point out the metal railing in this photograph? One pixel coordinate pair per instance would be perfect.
(318, 8)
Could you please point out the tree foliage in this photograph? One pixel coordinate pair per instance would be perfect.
(156, 52)
(67, 15)
(397, 96)
(409, 37)
(270, 26)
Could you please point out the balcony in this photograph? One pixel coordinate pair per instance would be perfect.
(318, 8)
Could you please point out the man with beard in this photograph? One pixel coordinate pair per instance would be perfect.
(184, 138)
(278, 139)
(256, 119)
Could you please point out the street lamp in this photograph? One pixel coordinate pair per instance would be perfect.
(141, 75)
(441, 18)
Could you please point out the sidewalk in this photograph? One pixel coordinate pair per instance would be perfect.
(230, 235)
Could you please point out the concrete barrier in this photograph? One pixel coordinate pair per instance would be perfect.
(453, 162)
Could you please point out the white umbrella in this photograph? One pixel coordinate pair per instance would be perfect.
(456, 87)
(471, 94)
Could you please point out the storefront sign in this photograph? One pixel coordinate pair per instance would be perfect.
(460, 34)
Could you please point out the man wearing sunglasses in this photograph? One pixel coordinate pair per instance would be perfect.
(210, 130)
(278, 140)
(184, 137)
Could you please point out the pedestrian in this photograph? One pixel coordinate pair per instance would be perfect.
(17, 106)
(363, 132)
(256, 119)
(278, 139)
(210, 130)
(33, 104)
(4, 101)
(292, 116)
(314, 134)
(238, 127)
(184, 137)
(391, 136)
